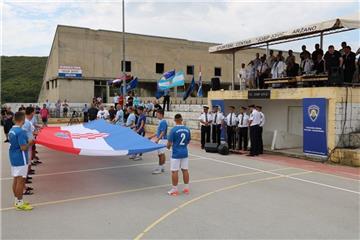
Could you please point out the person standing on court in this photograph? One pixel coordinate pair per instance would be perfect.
(243, 125)
(166, 100)
(231, 122)
(218, 120)
(254, 122)
(262, 122)
(205, 122)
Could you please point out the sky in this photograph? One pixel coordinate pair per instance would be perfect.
(28, 27)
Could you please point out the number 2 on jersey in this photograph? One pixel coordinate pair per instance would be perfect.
(183, 136)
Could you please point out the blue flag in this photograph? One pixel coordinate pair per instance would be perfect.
(130, 86)
(171, 79)
(189, 90)
(200, 91)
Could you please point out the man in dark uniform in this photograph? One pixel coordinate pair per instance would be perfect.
(254, 121)
(243, 125)
(205, 122)
(218, 119)
(231, 122)
(349, 64)
(333, 61)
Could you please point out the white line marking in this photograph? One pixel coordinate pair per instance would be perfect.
(277, 174)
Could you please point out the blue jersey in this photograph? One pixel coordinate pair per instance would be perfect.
(28, 127)
(180, 137)
(162, 127)
(17, 137)
(130, 120)
(142, 118)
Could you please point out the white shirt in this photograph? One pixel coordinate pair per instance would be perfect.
(245, 120)
(278, 69)
(217, 117)
(262, 119)
(231, 119)
(262, 67)
(255, 117)
(206, 117)
(116, 99)
(103, 114)
(307, 65)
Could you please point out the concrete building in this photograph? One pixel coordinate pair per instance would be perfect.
(98, 53)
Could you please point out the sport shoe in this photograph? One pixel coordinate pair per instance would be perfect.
(186, 191)
(173, 192)
(131, 157)
(158, 171)
(24, 207)
(137, 158)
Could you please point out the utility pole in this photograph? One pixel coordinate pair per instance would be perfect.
(123, 49)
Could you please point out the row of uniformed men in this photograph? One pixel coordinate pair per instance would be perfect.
(237, 127)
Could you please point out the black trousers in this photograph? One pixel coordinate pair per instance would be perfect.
(86, 117)
(254, 138)
(216, 133)
(261, 147)
(243, 138)
(230, 137)
(348, 75)
(205, 135)
(167, 103)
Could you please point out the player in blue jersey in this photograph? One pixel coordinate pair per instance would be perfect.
(18, 154)
(178, 139)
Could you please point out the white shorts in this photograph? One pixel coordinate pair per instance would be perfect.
(162, 150)
(19, 171)
(177, 163)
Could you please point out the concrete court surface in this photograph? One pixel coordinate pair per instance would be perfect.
(234, 196)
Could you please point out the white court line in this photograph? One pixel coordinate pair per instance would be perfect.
(91, 170)
(277, 174)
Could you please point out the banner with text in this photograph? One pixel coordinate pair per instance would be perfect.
(314, 116)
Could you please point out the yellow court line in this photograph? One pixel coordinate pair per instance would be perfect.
(169, 213)
(140, 189)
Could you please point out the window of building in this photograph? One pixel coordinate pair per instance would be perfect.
(160, 68)
(47, 85)
(127, 66)
(217, 72)
(190, 69)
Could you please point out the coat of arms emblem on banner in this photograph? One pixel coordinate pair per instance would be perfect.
(313, 112)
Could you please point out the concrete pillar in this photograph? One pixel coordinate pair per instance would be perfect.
(321, 40)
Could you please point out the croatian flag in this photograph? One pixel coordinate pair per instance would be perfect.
(200, 92)
(96, 138)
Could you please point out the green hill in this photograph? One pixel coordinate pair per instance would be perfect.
(21, 78)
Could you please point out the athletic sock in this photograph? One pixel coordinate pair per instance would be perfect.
(186, 186)
(174, 188)
(19, 202)
(161, 166)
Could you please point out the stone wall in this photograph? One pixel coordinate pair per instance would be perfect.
(347, 124)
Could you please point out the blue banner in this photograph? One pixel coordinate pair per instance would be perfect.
(189, 90)
(129, 86)
(314, 116)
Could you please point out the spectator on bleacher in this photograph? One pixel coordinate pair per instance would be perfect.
(65, 108)
(250, 75)
(242, 77)
(149, 106)
(279, 68)
(257, 60)
(103, 113)
(57, 108)
(280, 55)
(85, 111)
(304, 51)
(349, 64)
(342, 50)
(292, 68)
(116, 99)
(157, 107)
(112, 113)
(318, 50)
(166, 100)
(306, 65)
(271, 59)
(290, 58)
(333, 61)
(262, 72)
(319, 65)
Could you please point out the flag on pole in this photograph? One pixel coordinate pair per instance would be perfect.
(189, 90)
(171, 79)
(130, 86)
(200, 92)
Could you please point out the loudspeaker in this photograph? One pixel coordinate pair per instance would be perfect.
(223, 149)
(211, 147)
(215, 83)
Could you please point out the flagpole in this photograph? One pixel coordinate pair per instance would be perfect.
(123, 49)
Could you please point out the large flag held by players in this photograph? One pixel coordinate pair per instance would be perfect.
(171, 79)
(96, 138)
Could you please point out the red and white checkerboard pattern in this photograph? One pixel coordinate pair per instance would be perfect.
(89, 135)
